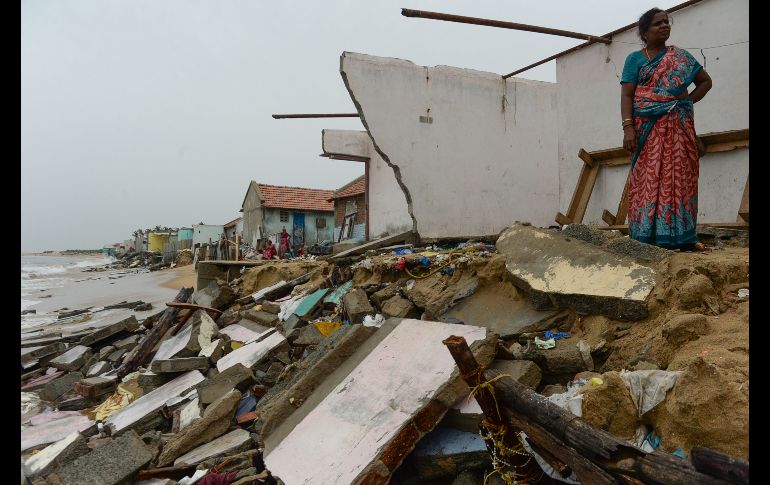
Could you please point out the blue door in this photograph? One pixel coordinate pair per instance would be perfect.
(299, 229)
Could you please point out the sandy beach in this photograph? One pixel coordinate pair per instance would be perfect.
(182, 277)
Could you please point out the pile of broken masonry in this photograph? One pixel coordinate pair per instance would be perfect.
(334, 371)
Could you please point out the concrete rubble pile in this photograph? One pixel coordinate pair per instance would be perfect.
(334, 371)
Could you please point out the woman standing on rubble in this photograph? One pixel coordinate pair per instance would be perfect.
(659, 130)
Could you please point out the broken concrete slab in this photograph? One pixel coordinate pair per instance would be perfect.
(117, 355)
(52, 456)
(129, 324)
(291, 324)
(309, 335)
(214, 422)
(266, 319)
(73, 359)
(284, 398)
(41, 341)
(575, 274)
(242, 333)
(99, 368)
(617, 243)
(62, 384)
(271, 307)
(55, 426)
(357, 305)
(28, 354)
(214, 350)
(128, 343)
(253, 353)
(214, 296)
(310, 303)
(502, 310)
(185, 415)
(399, 307)
(38, 383)
(93, 387)
(151, 402)
(524, 371)
(109, 464)
(405, 237)
(233, 442)
(379, 297)
(179, 365)
(445, 452)
(149, 381)
(234, 377)
(343, 442)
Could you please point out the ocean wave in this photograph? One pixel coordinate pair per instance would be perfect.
(28, 303)
(42, 271)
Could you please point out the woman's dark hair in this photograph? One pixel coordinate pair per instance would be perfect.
(646, 20)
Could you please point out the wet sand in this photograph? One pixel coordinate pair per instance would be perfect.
(182, 277)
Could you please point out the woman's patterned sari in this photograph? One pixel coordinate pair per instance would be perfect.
(663, 191)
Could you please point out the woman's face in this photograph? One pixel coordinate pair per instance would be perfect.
(659, 30)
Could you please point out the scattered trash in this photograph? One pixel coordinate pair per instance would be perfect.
(556, 335)
(402, 251)
(680, 453)
(375, 321)
(648, 387)
(545, 344)
(328, 328)
(596, 381)
(743, 293)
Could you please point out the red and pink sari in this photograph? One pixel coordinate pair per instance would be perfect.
(663, 190)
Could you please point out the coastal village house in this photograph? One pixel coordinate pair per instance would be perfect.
(350, 215)
(233, 227)
(206, 233)
(307, 214)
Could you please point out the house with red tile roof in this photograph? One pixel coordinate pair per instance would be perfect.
(350, 214)
(307, 214)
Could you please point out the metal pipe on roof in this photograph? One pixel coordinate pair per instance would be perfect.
(611, 34)
(317, 115)
(406, 12)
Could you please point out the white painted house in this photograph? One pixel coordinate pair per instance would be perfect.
(472, 152)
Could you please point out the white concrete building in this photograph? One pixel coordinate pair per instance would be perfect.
(474, 152)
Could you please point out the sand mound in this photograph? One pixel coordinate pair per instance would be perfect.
(609, 406)
(265, 275)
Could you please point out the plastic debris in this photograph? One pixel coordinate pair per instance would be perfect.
(327, 328)
(680, 453)
(596, 381)
(423, 261)
(545, 344)
(402, 251)
(743, 293)
(401, 264)
(375, 321)
(556, 335)
(649, 387)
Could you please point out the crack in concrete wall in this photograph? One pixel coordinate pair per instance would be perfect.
(396, 169)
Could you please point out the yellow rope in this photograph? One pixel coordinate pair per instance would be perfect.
(496, 436)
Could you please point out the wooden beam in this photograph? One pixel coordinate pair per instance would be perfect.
(563, 220)
(608, 217)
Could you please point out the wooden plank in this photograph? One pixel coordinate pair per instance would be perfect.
(743, 211)
(376, 244)
(577, 195)
(586, 157)
(608, 217)
(622, 213)
(585, 196)
(610, 154)
(720, 465)
(617, 162)
(563, 220)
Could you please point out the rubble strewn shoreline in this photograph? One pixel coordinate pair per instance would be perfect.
(300, 369)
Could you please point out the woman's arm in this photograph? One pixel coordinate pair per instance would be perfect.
(702, 85)
(626, 112)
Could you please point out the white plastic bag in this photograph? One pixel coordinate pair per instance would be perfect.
(375, 321)
(649, 387)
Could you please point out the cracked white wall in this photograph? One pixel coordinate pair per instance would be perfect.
(472, 152)
(387, 211)
(588, 83)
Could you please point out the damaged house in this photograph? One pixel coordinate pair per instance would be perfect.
(350, 222)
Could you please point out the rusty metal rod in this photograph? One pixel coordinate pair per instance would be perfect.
(611, 34)
(406, 12)
(317, 115)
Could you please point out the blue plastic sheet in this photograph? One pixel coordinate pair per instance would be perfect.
(556, 335)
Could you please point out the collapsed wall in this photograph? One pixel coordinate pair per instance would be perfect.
(472, 152)
(387, 211)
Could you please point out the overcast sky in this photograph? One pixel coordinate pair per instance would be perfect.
(143, 112)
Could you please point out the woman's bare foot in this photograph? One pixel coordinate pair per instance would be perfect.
(695, 247)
